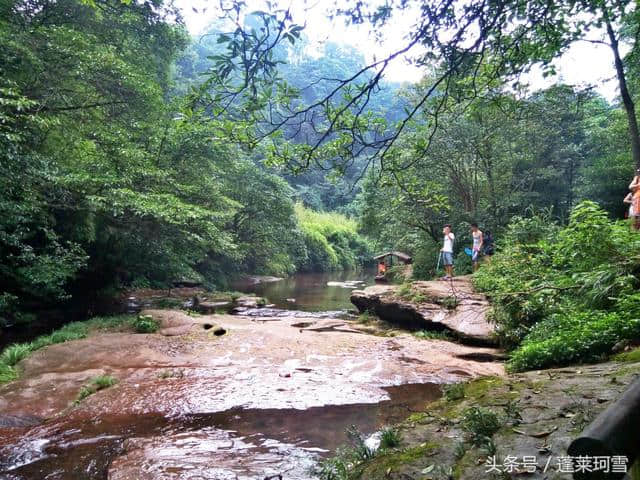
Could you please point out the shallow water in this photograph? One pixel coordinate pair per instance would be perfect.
(309, 291)
(88, 447)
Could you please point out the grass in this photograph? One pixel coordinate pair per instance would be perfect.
(145, 324)
(481, 424)
(347, 459)
(389, 438)
(453, 392)
(13, 354)
(630, 356)
(7, 373)
(97, 383)
(449, 302)
(405, 291)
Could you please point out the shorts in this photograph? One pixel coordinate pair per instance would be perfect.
(447, 258)
(475, 257)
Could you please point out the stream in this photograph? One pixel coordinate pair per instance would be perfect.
(272, 397)
(324, 294)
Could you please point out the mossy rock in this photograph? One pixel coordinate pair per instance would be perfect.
(400, 463)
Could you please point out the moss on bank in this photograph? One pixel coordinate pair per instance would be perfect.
(530, 414)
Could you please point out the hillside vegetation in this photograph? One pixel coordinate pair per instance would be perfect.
(564, 294)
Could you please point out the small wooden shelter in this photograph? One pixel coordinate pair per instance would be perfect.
(390, 259)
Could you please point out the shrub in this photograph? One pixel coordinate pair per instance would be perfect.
(585, 336)
(425, 260)
(564, 295)
(480, 423)
(331, 241)
(146, 324)
(390, 437)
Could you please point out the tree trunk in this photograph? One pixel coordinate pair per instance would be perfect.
(624, 93)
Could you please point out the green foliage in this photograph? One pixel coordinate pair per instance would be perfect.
(113, 176)
(145, 324)
(433, 335)
(570, 338)
(449, 302)
(454, 391)
(390, 437)
(405, 291)
(14, 353)
(347, 459)
(7, 373)
(564, 294)
(366, 317)
(96, 384)
(396, 274)
(630, 356)
(425, 260)
(331, 241)
(481, 424)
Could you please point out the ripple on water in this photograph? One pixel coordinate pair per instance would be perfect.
(236, 443)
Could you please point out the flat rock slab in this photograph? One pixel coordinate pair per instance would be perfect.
(174, 323)
(451, 306)
(162, 420)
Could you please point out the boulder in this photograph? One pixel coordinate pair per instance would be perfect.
(212, 307)
(450, 306)
(249, 301)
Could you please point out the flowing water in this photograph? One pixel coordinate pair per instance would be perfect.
(272, 441)
(273, 397)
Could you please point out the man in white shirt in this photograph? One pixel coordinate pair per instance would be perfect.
(447, 251)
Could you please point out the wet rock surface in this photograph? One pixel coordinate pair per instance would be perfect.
(452, 306)
(181, 399)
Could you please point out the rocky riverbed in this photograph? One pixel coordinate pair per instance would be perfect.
(270, 395)
(537, 414)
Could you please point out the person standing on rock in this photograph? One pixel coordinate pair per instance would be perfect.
(476, 248)
(447, 252)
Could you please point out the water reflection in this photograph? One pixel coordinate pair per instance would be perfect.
(309, 292)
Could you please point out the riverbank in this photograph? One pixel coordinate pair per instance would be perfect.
(526, 421)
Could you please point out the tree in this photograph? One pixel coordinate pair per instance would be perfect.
(471, 48)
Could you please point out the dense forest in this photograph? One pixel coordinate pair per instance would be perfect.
(130, 158)
(110, 179)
